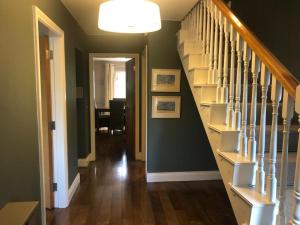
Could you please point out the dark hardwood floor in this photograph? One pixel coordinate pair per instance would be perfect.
(113, 191)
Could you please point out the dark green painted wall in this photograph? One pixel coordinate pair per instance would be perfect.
(19, 162)
(83, 105)
(276, 23)
(174, 144)
(116, 43)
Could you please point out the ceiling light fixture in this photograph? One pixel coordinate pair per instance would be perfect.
(129, 16)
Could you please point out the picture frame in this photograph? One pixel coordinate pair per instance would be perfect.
(166, 106)
(165, 80)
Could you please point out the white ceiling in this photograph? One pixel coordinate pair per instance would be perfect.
(86, 12)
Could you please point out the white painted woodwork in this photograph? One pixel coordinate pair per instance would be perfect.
(224, 93)
(211, 78)
(255, 68)
(276, 92)
(237, 106)
(216, 86)
(200, 24)
(207, 35)
(243, 145)
(287, 115)
(260, 172)
(215, 64)
(230, 108)
(295, 220)
(220, 57)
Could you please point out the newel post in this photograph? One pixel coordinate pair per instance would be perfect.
(295, 220)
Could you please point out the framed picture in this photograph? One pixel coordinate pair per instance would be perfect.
(165, 80)
(166, 106)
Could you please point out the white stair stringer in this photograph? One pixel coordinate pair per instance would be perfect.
(237, 172)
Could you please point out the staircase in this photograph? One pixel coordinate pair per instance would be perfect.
(246, 99)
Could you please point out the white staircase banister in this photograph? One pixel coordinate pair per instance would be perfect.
(243, 134)
(287, 115)
(260, 172)
(276, 93)
(230, 107)
(255, 68)
(295, 220)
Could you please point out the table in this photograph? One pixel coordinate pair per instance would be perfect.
(17, 213)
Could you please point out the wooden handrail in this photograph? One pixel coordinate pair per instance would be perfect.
(282, 74)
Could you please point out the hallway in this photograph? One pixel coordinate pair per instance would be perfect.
(114, 192)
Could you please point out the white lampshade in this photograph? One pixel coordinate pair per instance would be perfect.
(129, 16)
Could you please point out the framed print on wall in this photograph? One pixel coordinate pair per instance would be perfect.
(165, 80)
(166, 106)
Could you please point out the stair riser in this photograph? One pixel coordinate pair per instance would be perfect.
(225, 141)
(240, 174)
(184, 35)
(193, 61)
(216, 113)
(187, 48)
(199, 76)
(207, 93)
(247, 214)
(241, 209)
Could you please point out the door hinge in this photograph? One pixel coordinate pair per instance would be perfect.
(52, 125)
(49, 54)
(54, 187)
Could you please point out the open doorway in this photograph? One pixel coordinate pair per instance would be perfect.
(51, 113)
(115, 90)
(114, 96)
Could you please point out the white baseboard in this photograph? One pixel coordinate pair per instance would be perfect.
(84, 162)
(74, 187)
(183, 176)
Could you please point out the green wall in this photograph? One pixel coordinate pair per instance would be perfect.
(276, 23)
(83, 106)
(19, 160)
(174, 144)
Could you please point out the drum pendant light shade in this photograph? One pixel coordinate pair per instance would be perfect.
(129, 16)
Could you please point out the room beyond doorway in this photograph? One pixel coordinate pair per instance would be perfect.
(111, 87)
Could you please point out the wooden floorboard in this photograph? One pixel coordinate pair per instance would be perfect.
(113, 191)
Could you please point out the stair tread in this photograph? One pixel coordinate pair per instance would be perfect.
(189, 42)
(250, 195)
(205, 85)
(193, 54)
(221, 127)
(199, 68)
(212, 104)
(235, 158)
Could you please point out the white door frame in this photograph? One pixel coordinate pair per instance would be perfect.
(59, 110)
(92, 56)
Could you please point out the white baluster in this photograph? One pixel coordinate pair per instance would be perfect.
(203, 34)
(243, 134)
(260, 172)
(295, 220)
(207, 40)
(196, 14)
(220, 57)
(237, 108)
(255, 68)
(211, 44)
(215, 69)
(271, 179)
(200, 22)
(224, 94)
(230, 107)
(287, 115)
